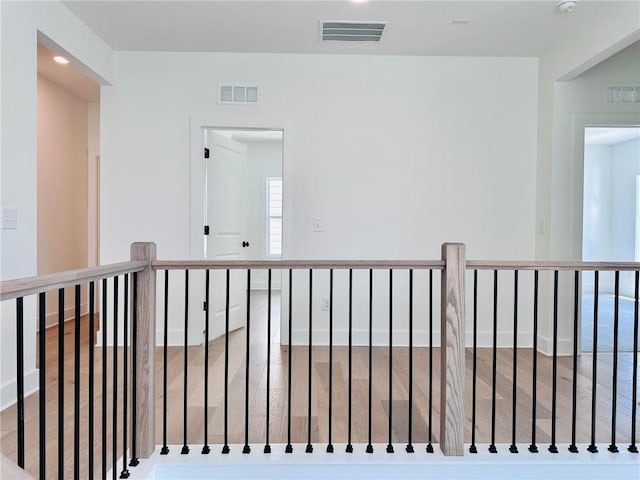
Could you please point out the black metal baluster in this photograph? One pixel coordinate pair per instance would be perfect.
(76, 385)
(534, 374)
(429, 444)
(614, 384)
(349, 448)
(114, 425)
(514, 388)
(593, 448)
(225, 447)
(103, 328)
(553, 448)
(289, 447)
(134, 372)
(20, 377)
(389, 445)
(125, 376)
(309, 448)
(247, 448)
(165, 449)
(473, 448)
(205, 448)
(576, 292)
(61, 383)
(92, 326)
(185, 447)
(370, 444)
(330, 445)
(410, 419)
(267, 447)
(633, 448)
(42, 315)
(492, 447)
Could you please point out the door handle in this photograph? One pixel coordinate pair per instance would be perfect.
(245, 244)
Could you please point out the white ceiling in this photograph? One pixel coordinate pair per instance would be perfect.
(610, 135)
(419, 27)
(67, 76)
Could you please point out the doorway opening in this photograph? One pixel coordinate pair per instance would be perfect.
(611, 231)
(243, 215)
(68, 153)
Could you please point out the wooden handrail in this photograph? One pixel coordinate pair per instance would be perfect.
(551, 265)
(40, 283)
(295, 264)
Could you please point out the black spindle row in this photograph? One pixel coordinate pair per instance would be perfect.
(575, 360)
(107, 437)
(226, 448)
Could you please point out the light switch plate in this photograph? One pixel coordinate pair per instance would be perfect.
(9, 218)
(317, 225)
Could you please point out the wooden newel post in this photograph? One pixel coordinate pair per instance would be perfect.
(145, 344)
(452, 326)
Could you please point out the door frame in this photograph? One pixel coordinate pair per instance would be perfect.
(197, 209)
(197, 172)
(580, 121)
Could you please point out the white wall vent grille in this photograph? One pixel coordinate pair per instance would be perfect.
(342, 31)
(238, 94)
(624, 93)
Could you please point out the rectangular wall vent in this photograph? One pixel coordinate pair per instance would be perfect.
(351, 31)
(624, 93)
(238, 94)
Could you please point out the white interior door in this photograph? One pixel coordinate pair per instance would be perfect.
(226, 214)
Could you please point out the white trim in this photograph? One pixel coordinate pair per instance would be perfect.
(401, 465)
(69, 315)
(262, 285)
(8, 390)
(565, 346)
(420, 338)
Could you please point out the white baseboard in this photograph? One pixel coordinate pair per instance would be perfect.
(264, 285)
(400, 338)
(545, 345)
(8, 390)
(69, 314)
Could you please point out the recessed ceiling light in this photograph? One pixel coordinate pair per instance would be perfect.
(359, 1)
(567, 6)
(460, 21)
(60, 60)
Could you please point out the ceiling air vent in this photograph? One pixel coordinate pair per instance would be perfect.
(238, 94)
(351, 31)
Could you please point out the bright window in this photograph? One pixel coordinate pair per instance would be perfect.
(274, 216)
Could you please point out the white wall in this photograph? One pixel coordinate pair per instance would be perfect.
(394, 154)
(625, 168)
(610, 218)
(597, 213)
(597, 203)
(20, 24)
(62, 187)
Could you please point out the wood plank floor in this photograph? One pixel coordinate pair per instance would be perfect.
(320, 397)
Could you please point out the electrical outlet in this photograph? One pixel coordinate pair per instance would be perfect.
(9, 218)
(325, 304)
